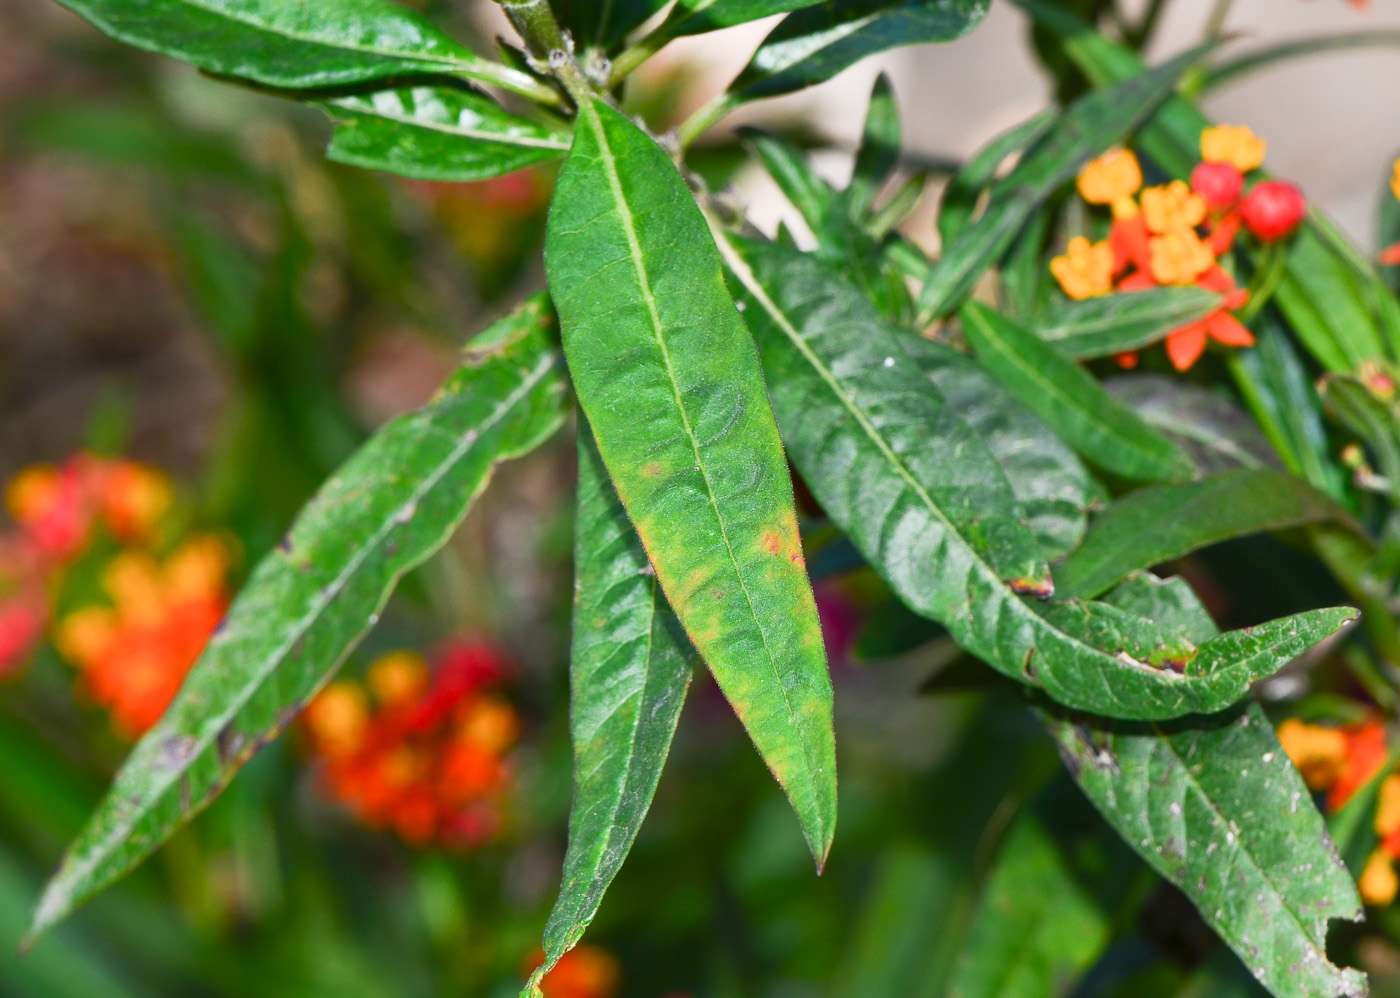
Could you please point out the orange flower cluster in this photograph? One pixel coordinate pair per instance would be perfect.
(1175, 233)
(134, 654)
(583, 972)
(56, 510)
(422, 753)
(1341, 761)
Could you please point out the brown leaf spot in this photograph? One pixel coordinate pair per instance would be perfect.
(652, 469)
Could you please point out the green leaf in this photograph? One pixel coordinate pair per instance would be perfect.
(922, 500)
(814, 199)
(603, 22)
(960, 197)
(1052, 487)
(1044, 917)
(630, 667)
(695, 17)
(308, 603)
(1270, 55)
(1214, 432)
(1215, 806)
(667, 375)
(1110, 324)
(815, 44)
(1070, 400)
(1088, 127)
(284, 44)
(879, 150)
(436, 133)
(1163, 522)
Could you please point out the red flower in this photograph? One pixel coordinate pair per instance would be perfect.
(1273, 210)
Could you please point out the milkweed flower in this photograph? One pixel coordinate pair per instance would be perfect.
(1085, 270)
(420, 751)
(133, 654)
(1112, 179)
(583, 972)
(1234, 145)
(1172, 208)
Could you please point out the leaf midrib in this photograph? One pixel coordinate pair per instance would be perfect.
(330, 592)
(467, 59)
(624, 210)
(503, 138)
(1320, 952)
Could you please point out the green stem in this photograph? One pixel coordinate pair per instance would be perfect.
(1266, 277)
(1215, 23)
(1347, 557)
(629, 59)
(701, 120)
(535, 21)
(513, 80)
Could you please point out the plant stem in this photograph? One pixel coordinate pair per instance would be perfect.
(1264, 281)
(546, 41)
(513, 80)
(629, 59)
(699, 122)
(1215, 23)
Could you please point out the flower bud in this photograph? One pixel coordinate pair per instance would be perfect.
(1218, 184)
(1273, 210)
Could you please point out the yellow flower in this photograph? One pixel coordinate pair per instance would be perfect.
(1172, 206)
(32, 492)
(1378, 882)
(1388, 807)
(1318, 752)
(398, 677)
(1085, 270)
(338, 718)
(1179, 257)
(1112, 179)
(1395, 179)
(1233, 144)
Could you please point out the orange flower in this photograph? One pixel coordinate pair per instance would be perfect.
(1232, 144)
(134, 655)
(1112, 179)
(1085, 270)
(1390, 256)
(1378, 883)
(1318, 752)
(1366, 754)
(429, 760)
(133, 498)
(1172, 207)
(583, 972)
(1179, 257)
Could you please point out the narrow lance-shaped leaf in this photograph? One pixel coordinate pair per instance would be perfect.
(308, 603)
(1215, 806)
(1111, 324)
(283, 44)
(1052, 487)
(1070, 400)
(1163, 522)
(695, 17)
(959, 202)
(902, 479)
(436, 133)
(1090, 125)
(1207, 425)
(603, 22)
(878, 154)
(629, 670)
(815, 44)
(666, 372)
(1045, 915)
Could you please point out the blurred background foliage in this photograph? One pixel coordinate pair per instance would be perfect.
(185, 281)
